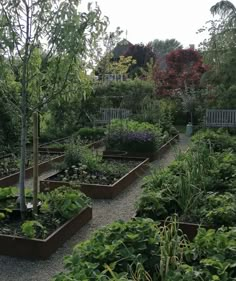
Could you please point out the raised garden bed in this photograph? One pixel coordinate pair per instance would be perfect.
(189, 229)
(13, 179)
(59, 146)
(152, 155)
(42, 248)
(101, 191)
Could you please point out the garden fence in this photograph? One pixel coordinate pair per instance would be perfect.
(220, 118)
(107, 114)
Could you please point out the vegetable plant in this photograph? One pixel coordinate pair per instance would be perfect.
(199, 186)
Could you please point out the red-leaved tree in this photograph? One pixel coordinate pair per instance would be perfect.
(184, 69)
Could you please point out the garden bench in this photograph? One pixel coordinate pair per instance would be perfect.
(107, 114)
(220, 118)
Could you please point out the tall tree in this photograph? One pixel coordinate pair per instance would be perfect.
(163, 47)
(226, 10)
(142, 55)
(222, 32)
(184, 70)
(64, 35)
(220, 52)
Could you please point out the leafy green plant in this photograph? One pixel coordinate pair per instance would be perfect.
(30, 228)
(63, 202)
(91, 133)
(220, 209)
(218, 140)
(76, 153)
(183, 188)
(2, 216)
(137, 250)
(117, 245)
(7, 192)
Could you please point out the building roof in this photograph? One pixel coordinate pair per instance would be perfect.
(121, 48)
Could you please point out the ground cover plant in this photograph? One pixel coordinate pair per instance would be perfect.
(55, 208)
(82, 165)
(134, 136)
(140, 250)
(199, 186)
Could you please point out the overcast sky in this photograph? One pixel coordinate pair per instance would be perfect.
(146, 20)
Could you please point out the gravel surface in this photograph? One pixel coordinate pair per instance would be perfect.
(104, 212)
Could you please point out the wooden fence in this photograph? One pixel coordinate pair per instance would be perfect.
(220, 118)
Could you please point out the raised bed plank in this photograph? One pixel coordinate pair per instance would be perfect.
(152, 155)
(42, 248)
(13, 179)
(98, 191)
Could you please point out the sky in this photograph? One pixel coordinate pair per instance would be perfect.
(146, 20)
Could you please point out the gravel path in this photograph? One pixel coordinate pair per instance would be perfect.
(104, 212)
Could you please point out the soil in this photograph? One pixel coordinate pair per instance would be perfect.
(109, 172)
(10, 165)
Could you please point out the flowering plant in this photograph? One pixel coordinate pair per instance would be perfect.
(133, 141)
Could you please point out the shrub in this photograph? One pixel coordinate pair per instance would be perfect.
(133, 136)
(76, 153)
(91, 133)
(133, 142)
(199, 186)
(218, 140)
(129, 94)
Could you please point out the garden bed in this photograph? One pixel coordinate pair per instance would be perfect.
(199, 186)
(13, 179)
(151, 155)
(16, 246)
(101, 191)
(60, 147)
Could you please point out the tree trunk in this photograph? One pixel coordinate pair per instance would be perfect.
(24, 112)
(23, 154)
(35, 171)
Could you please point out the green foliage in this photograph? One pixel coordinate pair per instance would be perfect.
(64, 114)
(218, 140)
(58, 42)
(7, 192)
(133, 126)
(157, 111)
(199, 186)
(162, 47)
(214, 251)
(76, 153)
(91, 133)
(220, 209)
(9, 126)
(127, 94)
(133, 136)
(64, 202)
(31, 228)
(136, 250)
(219, 52)
(120, 247)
